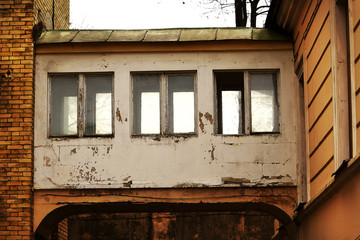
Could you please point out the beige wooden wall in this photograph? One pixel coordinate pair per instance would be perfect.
(312, 42)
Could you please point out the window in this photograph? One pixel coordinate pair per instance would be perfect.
(81, 105)
(163, 103)
(246, 102)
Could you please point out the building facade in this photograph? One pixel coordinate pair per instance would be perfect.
(167, 120)
(150, 133)
(326, 56)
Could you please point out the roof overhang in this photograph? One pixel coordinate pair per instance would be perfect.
(205, 39)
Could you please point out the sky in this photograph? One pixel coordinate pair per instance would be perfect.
(149, 14)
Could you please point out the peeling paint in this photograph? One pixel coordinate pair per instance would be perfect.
(209, 117)
(201, 124)
(73, 151)
(47, 161)
(190, 185)
(157, 139)
(118, 115)
(127, 184)
(126, 179)
(212, 152)
(275, 177)
(87, 175)
(231, 180)
(95, 150)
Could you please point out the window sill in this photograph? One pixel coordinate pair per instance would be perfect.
(83, 137)
(158, 136)
(247, 135)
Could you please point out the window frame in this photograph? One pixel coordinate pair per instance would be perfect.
(247, 128)
(81, 104)
(164, 107)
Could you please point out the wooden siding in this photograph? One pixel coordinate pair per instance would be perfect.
(321, 102)
(312, 40)
(317, 184)
(356, 33)
(324, 153)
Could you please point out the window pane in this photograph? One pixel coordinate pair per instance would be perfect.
(181, 103)
(98, 102)
(264, 107)
(146, 104)
(231, 112)
(63, 105)
(230, 88)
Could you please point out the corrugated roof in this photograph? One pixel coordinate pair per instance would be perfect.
(160, 35)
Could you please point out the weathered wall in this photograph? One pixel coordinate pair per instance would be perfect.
(204, 159)
(336, 218)
(16, 118)
(55, 14)
(51, 206)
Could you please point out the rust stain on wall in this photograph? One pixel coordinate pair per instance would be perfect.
(209, 117)
(163, 225)
(118, 115)
(201, 124)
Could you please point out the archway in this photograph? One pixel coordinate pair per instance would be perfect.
(53, 218)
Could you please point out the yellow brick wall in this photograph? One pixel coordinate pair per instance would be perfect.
(16, 118)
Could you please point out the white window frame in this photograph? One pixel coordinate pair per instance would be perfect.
(81, 104)
(247, 128)
(164, 108)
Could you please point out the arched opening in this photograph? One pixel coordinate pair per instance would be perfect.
(176, 215)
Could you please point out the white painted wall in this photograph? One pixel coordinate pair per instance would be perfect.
(268, 159)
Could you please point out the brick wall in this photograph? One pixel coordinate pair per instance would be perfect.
(43, 11)
(16, 118)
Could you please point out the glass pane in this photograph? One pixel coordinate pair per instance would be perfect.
(63, 105)
(264, 107)
(98, 104)
(229, 92)
(181, 103)
(231, 112)
(146, 107)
